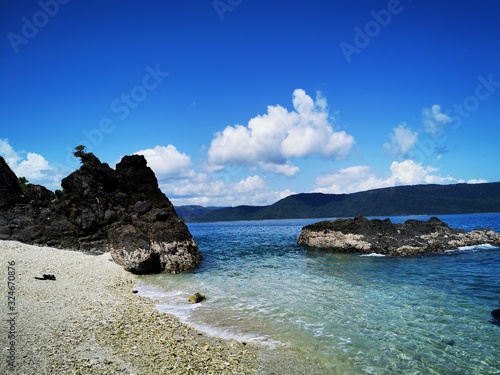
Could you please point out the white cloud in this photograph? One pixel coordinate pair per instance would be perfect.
(166, 161)
(286, 169)
(34, 167)
(349, 180)
(249, 185)
(272, 139)
(7, 152)
(206, 191)
(434, 120)
(361, 178)
(477, 181)
(403, 141)
(407, 172)
(183, 184)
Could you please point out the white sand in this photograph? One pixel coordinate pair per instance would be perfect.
(88, 321)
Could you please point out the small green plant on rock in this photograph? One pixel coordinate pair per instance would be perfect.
(23, 183)
(81, 154)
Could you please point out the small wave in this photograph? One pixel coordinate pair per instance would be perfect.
(183, 313)
(155, 293)
(373, 255)
(473, 248)
(231, 335)
(182, 310)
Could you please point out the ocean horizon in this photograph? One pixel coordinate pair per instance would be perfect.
(341, 313)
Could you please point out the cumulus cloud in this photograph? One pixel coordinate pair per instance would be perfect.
(249, 184)
(166, 161)
(403, 141)
(183, 184)
(286, 169)
(434, 120)
(362, 178)
(33, 166)
(410, 173)
(271, 140)
(8, 153)
(207, 191)
(349, 180)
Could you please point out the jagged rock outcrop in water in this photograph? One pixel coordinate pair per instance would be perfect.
(100, 209)
(413, 237)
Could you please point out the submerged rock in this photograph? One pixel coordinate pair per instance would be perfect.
(496, 314)
(412, 237)
(100, 209)
(197, 298)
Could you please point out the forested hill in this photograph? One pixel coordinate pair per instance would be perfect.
(400, 200)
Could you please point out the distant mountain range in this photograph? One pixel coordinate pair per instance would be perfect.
(399, 200)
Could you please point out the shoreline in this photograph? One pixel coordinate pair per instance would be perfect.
(88, 321)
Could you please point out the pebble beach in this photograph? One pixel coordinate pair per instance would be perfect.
(89, 321)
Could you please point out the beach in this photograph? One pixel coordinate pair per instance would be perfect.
(89, 321)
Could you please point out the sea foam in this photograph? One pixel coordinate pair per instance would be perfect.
(373, 255)
(473, 248)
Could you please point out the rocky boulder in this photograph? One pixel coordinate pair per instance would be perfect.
(100, 209)
(10, 191)
(197, 298)
(413, 237)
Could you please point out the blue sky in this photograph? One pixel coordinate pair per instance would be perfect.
(245, 102)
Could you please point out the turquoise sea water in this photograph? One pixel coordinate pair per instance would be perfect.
(342, 313)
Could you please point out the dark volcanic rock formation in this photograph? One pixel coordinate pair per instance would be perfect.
(413, 237)
(10, 191)
(100, 209)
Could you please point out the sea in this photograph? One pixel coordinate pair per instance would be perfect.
(314, 311)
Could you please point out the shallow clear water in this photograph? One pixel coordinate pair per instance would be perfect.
(343, 313)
